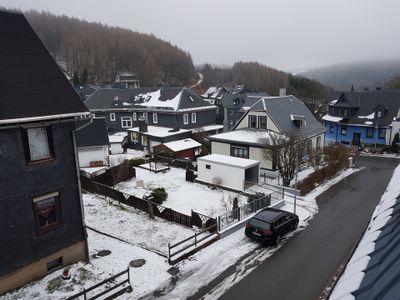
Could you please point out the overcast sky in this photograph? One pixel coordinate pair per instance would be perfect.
(286, 34)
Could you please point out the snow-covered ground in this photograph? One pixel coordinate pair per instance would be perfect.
(116, 159)
(183, 196)
(132, 225)
(193, 273)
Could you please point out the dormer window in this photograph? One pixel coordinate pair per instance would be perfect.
(299, 121)
(379, 114)
(252, 122)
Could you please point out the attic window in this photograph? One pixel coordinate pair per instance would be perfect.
(299, 121)
(191, 98)
(379, 114)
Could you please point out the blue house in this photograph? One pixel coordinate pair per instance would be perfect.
(368, 117)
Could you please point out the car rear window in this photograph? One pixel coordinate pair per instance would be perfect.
(259, 223)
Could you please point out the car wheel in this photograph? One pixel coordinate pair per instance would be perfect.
(295, 226)
(277, 240)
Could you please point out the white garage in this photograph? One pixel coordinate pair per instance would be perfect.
(227, 171)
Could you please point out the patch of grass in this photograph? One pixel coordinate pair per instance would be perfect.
(85, 275)
(54, 284)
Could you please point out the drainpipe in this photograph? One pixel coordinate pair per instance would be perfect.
(78, 175)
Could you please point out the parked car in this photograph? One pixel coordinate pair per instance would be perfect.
(269, 225)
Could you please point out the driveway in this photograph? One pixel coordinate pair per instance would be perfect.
(301, 268)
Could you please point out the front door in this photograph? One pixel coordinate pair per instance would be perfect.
(356, 138)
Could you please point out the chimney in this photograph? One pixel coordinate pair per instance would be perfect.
(142, 126)
(282, 92)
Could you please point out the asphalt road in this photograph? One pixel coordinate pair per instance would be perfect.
(301, 268)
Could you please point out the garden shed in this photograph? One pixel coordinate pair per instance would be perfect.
(227, 171)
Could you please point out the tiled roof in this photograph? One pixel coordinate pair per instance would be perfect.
(373, 272)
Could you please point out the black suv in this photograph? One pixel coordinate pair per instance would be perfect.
(270, 224)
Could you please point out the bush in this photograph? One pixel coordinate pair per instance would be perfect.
(159, 195)
(136, 161)
(319, 176)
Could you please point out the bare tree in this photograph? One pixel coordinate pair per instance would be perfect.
(285, 152)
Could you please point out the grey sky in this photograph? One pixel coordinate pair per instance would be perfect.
(285, 34)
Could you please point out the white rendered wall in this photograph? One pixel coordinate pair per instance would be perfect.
(116, 148)
(231, 176)
(220, 148)
(88, 154)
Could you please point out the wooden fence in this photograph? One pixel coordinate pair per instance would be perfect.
(124, 286)
(192, 244)
(160, 211)
(113, 175)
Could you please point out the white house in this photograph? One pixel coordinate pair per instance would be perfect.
(227, 171)
(284, 115)
(116, 142)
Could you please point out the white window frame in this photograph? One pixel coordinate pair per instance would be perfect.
(155, 118)
(126, 119)
(112, 116)
(39, 148)
(193, 117)
(134, 116)
(135, 137)
(185, 119)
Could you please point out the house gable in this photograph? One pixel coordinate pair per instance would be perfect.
(32, 87)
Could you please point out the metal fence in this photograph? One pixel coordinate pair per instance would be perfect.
(242, 212)
(277, 192)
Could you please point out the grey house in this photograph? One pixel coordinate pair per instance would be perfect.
(40, 202)
(268, 115)
(165, 107)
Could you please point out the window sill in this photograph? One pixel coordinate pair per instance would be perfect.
(40, 161)
(48, 228)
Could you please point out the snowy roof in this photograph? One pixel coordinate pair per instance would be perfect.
(214, 92)
(182, 145)
(158, 131)
(208, 128)
(331, 119)
(116, 138)
(375, 265)
(229, 160)
(280, 109)
(246, 136)
(369, 117)
(137, 99)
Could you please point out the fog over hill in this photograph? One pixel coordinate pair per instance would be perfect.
(361, 74)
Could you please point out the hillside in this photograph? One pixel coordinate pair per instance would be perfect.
(258, 77)
(103, 50)
(360, 75)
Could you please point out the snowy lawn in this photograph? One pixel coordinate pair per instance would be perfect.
(193, 273)
(131, 224)
(116, 159)
(183, 196)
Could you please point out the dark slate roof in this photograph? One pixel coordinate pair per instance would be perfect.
(166, 98)
(104, 98)
(94, 134)
(373, 271)
(31, 84)
(366, 103)
(282, 109)
(228, 99)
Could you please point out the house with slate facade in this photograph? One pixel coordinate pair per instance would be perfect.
(285, 115)
(368, 117)
(40, 202)
(165, 107)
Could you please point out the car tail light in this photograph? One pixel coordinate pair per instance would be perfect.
(248, 226)
(267, 232)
